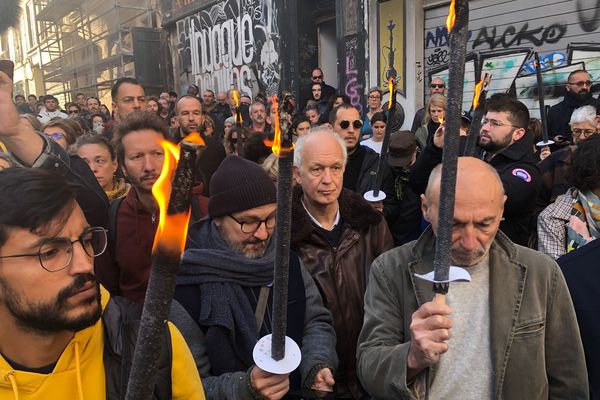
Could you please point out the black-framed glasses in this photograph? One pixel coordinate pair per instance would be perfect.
(585, 132)
(437, 85)
(55, 254)
(252, 226)
(581, 83)
(357, 124)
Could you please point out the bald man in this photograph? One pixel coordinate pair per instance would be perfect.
(510, 333)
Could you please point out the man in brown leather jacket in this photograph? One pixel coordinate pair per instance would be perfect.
(337, 235)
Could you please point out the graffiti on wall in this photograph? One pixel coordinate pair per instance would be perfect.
(233, 44)
(506, 50)
(353, 87)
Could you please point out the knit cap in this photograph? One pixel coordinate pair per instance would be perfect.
(239, 185)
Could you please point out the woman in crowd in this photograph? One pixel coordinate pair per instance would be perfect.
(209, 126)
(573, 220)
(378, 124)
(98, 121)
(374, 106)
(434, 114)
(97, 152)
(234, 140)
(300, 126)
(61, 131)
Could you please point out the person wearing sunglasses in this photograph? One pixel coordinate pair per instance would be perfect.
(317, 76)
(578, 94)
(58, 323)
(61, 132)
(437, 86)
(361, 169)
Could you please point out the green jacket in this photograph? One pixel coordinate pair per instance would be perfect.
(536, 346)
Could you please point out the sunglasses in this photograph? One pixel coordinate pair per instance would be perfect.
(55, 136)
(357, 124)
(318, 77)
(437, 86)
(73, 112)
(234, 140)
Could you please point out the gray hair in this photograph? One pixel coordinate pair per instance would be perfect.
(584, 114)
(311, 135)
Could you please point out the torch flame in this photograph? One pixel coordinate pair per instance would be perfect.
(451, 19)
(477, 95)
(441, 119)
(238, 114)
(391, 88)
(172, 228)
(276, 143)
(236, 98)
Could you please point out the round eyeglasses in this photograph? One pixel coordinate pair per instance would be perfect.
(55, 254)
(252, 226)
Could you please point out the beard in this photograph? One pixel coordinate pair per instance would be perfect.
(581, 98)
(251, 248)
(9, 14)
(495, 146)
(51, 317)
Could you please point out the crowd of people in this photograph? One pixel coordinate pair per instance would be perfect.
(78, 223)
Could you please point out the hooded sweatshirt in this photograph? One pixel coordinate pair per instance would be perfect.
(79, 372)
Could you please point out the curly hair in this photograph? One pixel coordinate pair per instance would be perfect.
(584, 172)
(136, 121)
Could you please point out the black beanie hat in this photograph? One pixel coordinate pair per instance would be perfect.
(239, 185)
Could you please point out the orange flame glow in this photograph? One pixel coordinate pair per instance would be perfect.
(236, 98)
(276, 143)
(441, 119)
(451, 19)
(172, 228)
(477, 94)
(391, 88)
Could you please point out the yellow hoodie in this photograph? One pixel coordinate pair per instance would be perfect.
(79, 372)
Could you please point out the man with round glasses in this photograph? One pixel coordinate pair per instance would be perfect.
(579, 93)
(225, 284)
(62, 334)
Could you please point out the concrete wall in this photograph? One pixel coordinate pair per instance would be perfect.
(502, 37)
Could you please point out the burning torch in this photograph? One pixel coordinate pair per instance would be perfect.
(174, 209)
(377, 194)
(478, 102)
(540, 89)
(457, 24)
(276, 353)
(238, 112)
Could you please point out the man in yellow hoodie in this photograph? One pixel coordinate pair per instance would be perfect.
(61, 336)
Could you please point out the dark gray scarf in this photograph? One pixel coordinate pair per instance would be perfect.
(225, 311)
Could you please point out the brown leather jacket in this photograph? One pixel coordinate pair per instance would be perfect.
(341, 272)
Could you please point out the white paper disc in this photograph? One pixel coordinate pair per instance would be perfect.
(263, 360)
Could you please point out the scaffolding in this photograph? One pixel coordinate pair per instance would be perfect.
(86, 45)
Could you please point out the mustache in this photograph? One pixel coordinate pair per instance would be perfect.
(149, 176)
(10, 11)
(80, 281)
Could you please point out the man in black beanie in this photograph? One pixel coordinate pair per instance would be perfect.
(224, 284)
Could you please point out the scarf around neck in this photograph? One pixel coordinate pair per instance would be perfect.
(584, 223)
(225, 310)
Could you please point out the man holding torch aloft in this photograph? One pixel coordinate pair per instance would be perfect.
(510, 333)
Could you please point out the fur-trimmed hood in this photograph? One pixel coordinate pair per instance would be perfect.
(354, 211)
